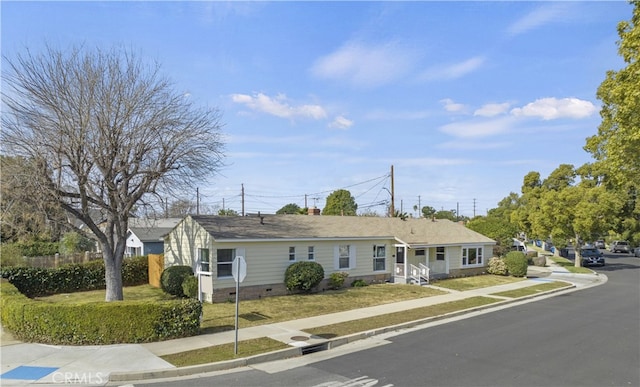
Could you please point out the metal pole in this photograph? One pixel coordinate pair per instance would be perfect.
(235, 346)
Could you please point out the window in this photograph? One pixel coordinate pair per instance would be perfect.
(343, 257)
(311, 254)
(440, 253)
(203, 260)
(379, 257)
(420, 253)
(472, 256)
(225, 259)
(292, 253)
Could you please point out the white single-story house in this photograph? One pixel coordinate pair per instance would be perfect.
(146, 236)
(374, 249)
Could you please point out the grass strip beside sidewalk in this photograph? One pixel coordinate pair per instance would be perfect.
(535, 289)
(252, 347)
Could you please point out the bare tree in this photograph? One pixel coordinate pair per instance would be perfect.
(107, 133)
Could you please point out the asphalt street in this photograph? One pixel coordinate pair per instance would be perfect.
(588, 337)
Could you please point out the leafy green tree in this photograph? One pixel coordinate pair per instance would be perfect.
(579, 213)
(74, 242)
(340, 202)
(496, 228)
(228, 212)
(444, 214)
(617, 145)
(290, 208)
(428, 211)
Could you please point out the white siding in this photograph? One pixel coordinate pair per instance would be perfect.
(267, 261)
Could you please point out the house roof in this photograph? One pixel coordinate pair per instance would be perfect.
(413, 231)
(152, 230)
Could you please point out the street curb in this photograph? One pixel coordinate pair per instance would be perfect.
(300, 351)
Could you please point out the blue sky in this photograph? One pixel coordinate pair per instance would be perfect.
(462, 98)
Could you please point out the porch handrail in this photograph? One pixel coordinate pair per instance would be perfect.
(419, 273)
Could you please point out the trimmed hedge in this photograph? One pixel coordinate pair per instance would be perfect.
(37, 282)
(97, 323)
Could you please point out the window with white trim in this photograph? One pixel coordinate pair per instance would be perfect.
(440, 253)
(203, 260)
(225, 260)
(292, 253)
(343, 257)
(472, 256)
(379, 257)
(311, 253)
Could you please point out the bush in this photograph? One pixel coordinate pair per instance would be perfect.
(497, 266)
(97, 323)
(303, 276)
(190, 287)
(135, 271)
(37, 282)
(11, 255)
(516, 263)
(336, 280)
(359, 283)
(172, 277)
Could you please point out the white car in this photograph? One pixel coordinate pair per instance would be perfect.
(620, 247)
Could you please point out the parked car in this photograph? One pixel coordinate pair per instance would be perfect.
(620, 247)
(636, 252)
(591, 256)
(600, 245)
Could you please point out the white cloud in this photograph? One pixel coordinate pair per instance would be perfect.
(451, 106)
(278, 106)
(543, 15)
(341, 122)
(553, 108)
(363, 65)
(492, 109)
(454, 70)
(478, 129)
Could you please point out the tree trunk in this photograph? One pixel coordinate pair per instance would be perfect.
(577, 255)
(113, 277)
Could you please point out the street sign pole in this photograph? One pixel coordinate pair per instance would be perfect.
(235, 346)
(239, 271)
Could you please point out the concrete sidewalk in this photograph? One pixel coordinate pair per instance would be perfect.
(26, 363)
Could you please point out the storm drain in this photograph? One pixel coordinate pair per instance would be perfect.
(315, 348)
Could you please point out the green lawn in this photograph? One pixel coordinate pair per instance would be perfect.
(475, 282)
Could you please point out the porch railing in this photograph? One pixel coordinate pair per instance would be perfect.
(419, 274)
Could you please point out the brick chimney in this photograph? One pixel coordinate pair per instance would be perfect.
(313, 211)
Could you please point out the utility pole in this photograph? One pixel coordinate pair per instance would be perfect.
(197, 201)
(305, 201)
(457, 210)
(392, 208)
(419, 208)
(474, 207)
(242, 194)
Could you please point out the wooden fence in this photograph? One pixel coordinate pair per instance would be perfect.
(55, 261)
(156, 266)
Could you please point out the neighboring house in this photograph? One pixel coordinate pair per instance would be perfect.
(146, 236)
(370, 248)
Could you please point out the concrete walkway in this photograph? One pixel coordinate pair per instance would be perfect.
(26, 363)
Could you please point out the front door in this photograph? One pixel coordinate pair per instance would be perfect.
(438, 261)
(399, 266)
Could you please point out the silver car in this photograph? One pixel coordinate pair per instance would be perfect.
(620, 247)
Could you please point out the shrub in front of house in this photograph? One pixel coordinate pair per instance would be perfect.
(516, 263)
(172, 277)
(303, 276)
(497, 266)
(96, 323)
(190, 287)
(37, 282)
(359, 283)
(336, 280)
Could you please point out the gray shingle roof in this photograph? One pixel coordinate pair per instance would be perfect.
(273, 227)
(152, 230)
